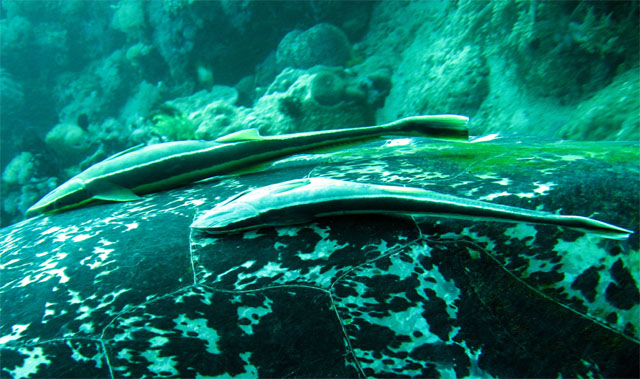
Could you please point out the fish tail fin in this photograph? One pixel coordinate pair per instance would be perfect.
(601, 228)
(445, 126)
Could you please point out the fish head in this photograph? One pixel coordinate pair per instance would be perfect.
(68, 195)
(227, 217)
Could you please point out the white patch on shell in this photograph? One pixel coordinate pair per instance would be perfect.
(47, 271)
(198, 327)
(133, 225)
(503, 182)
(158, 341)
(34, 358)
(160, 365)
(16, 333)
(81, 237)
(582, 254)
(398, 142)
(521, 231)
(253, 314)
(98, 258)
(493, 196)
(323, 250)
(543, 188)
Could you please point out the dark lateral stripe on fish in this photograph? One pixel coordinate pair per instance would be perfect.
(299, 201)
(169, 165)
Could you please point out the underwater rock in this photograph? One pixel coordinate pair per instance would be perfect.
(21, 187)
(200, 99)
(327, 88)
(100, 90)
(440, 79)
(220, 118)
(129, 18)
(613, 113)
(12, 94)
(17, 31)
(137, 51)
(323, 44)
(246, 88)
(315, 99)
(69, 142)
(140, 103)
(569, 50)
(17, 202)
(20, 169)
(174, 25)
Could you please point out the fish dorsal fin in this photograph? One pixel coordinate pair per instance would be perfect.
(123, 152)
(241, 135)
(104, 190)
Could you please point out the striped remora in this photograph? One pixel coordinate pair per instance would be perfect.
(300, 201)
(127, 175)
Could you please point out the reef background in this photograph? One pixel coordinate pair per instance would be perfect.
(82, 80)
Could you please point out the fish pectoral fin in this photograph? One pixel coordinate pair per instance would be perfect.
(242, 135)
(111, 192)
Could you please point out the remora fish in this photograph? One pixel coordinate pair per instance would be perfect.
(137, 171)
(299, 201)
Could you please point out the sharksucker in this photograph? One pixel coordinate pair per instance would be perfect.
(302, 200)
(138, 171)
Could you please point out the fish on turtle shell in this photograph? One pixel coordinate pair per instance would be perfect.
(301, 200)
(147, 169)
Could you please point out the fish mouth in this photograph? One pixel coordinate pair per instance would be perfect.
(43, 205)
(32, 211)
(68, 195)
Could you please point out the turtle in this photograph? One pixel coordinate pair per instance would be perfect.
(130, 290)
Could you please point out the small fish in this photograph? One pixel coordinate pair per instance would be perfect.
(141, 170)
(300, 201)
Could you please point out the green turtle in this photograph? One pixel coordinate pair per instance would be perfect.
(129, 289)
